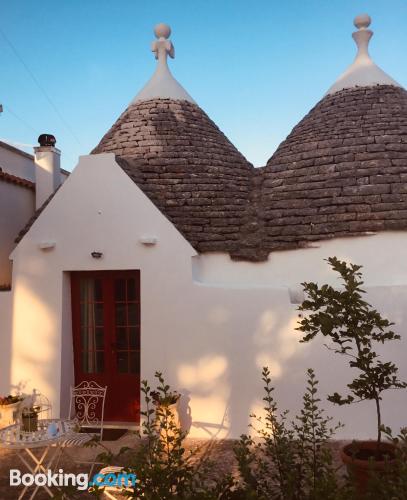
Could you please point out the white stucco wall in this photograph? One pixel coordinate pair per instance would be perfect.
(208, 323)
(16, 207)
(17, 163)
(17, 204)
(5, 341)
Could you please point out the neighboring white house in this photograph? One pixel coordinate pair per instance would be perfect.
(17, 201)
(165, 249)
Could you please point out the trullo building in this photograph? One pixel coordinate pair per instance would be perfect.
(165, 249)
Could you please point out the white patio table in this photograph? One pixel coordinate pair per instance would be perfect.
(13, 438)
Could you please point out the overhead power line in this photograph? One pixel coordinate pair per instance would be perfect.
(26, 124)
(40, 87)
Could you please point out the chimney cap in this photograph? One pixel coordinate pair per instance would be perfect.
(47, 140)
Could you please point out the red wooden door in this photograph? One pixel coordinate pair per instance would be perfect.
(106, 336)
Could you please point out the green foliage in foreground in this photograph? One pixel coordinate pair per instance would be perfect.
(289, 460)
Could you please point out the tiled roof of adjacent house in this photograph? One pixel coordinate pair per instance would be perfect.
(13, 179)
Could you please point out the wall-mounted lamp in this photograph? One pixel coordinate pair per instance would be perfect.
(148, 240)
(47, 245)
(97, 255)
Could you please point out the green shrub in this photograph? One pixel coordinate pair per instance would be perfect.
(289, 461)
(163, 468)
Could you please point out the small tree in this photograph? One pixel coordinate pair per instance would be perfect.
(353, 326)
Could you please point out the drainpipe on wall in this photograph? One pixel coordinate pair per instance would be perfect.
(47, 168)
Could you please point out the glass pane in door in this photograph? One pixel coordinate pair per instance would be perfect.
(127, 321)
(91, 325)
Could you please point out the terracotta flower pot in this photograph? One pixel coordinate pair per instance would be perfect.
(361, 461)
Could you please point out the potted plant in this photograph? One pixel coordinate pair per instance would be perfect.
(354, 327)
(9, 406)
(170, 399)
(166, 403)
(29, 418)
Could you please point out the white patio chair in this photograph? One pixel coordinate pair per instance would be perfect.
(86, 409)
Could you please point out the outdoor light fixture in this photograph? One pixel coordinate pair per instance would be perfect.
(47, 245)
(148, 240)
(97, 255)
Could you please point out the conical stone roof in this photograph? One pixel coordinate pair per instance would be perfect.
(186, 166)
(342, 170)
(182, 161)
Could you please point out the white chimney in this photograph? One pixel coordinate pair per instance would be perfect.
(47, 168)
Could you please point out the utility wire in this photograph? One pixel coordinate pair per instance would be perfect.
(26, 124)
(41, 88)
(7, 108)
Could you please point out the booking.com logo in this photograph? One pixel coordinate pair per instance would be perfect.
(80, 481)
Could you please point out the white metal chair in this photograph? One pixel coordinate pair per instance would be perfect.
(87, 400)
(86, 409)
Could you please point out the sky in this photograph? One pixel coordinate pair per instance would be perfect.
(71, 67)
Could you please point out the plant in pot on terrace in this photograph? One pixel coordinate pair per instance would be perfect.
(10, 400)
(9, 407)
(166, 407)
(354, 327)
(393, 483)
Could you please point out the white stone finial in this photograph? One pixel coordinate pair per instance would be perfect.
(162, 84)
(363, 72)
(362, 36)
(162, 30)
(162, 46)
(362, 21)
